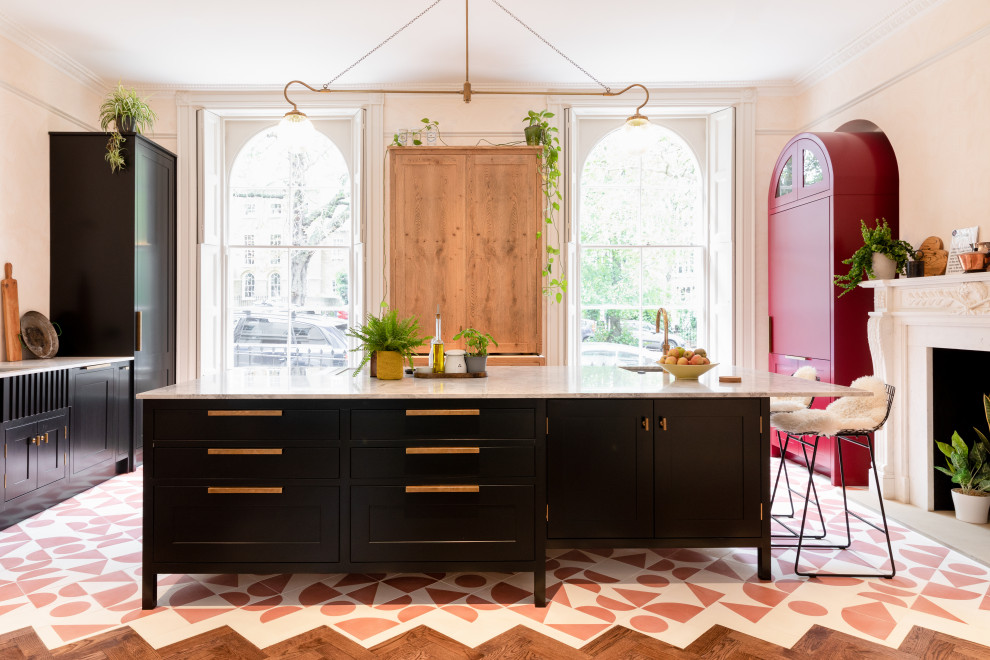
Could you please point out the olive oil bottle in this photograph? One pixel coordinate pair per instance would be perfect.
(436, 347)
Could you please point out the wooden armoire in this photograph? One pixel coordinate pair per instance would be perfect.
(823, 185)
(464, 235)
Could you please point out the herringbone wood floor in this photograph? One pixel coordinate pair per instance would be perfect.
(518, 643)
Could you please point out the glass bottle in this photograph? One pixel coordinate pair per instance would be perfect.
(436, 348)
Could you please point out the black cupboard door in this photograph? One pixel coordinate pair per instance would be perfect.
(21, 451)
(707, 468)
(53, 449)
(599, 469)
(94, 437)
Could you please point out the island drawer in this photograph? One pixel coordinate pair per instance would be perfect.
(270, 423)
(442, 461)
(246, 524)
(305, 462)
(452, 422)
(442, 523)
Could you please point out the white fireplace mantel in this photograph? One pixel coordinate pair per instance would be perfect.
(910, 318)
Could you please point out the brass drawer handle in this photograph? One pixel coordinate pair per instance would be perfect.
(443, 450)
(102, 365)
(443, 489)
(212, 490)
(244, 452)
(244, 413)
(463, 412)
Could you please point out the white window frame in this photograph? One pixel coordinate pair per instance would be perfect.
(249, 286)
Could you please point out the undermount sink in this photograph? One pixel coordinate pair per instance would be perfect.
(644, 367)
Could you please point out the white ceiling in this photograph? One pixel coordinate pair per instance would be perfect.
(261, 43)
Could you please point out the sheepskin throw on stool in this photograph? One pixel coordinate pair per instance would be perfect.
(847, 413)
(791, 403)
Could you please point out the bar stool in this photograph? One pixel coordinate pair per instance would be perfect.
(799, 427)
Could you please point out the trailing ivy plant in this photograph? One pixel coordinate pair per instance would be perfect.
(123, 106)
(875, 241)
(555, 284)
(430, 125)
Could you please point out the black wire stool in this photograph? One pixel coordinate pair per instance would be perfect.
(859, 437)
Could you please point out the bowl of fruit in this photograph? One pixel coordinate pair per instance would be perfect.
(686, 364)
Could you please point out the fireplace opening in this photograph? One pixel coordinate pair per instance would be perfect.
(959, 381)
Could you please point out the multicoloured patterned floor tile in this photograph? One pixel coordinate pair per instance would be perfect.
(74, 570)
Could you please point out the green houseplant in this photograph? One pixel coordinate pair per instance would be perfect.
(416, 136)
(129, 113)
(970, 468)
(477, 342)
(389, 340)
(876, 241)
(540, 132)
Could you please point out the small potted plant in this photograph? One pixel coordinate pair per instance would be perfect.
(970, 468)
(386, 341)
(129, 114)
(477, 357)
(880, 257)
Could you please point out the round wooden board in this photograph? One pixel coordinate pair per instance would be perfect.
(478, 374)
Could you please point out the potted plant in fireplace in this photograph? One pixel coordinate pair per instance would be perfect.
(970, 468)
(477, 357)
(881, 257)
(386, 341)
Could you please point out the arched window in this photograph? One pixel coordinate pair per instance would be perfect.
(299, 202)
(641, 246)
(247, 286)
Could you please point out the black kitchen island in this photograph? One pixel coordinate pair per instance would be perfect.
(314, 471)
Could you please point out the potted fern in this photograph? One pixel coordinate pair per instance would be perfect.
(880, 257)
(385, 342)
(129, 114)
(477, 357)
(970, 468)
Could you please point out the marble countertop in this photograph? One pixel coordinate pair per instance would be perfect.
(21, 367)
(501, 383)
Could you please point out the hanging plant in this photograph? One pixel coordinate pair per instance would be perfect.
(544, 134)
(128, 112)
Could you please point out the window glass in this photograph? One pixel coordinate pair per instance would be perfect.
(812, 168)
(785, 182)
(641, 247)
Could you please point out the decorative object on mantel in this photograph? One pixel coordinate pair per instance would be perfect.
(39, 334)
(962, 241)
(477, 359)
(129, 114)
(973, 262)
(934, 256)
(970, 468)
(11, 314)
(877, 245)
(541, 133)
(916, 267)
(390, 340)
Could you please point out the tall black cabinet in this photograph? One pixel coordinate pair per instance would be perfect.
(113, 256)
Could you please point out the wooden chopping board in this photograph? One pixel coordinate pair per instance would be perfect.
(11, 314)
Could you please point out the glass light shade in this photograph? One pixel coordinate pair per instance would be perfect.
(296, 129)
(637, 136)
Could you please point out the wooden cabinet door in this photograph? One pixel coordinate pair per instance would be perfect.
(599, 469)
(707, 468)
(94, 439)
(800, 280)
(21, 472)
(53, 449)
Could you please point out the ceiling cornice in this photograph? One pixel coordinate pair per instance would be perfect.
(53, 56)
(890, 24)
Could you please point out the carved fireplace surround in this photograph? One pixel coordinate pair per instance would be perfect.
(910, 318)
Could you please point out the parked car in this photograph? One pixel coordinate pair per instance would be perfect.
(263, 339)
(596, 353)
(588, 327)
(646, 332)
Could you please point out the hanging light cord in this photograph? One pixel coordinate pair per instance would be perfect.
(554, 48)
(388, 39)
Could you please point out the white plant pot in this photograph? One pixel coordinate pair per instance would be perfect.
(884, 268)
(971, 508)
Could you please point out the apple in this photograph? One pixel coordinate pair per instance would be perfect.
(682, 360)
(689, 354)
(697, 359)
(671, 359)
(705, 360)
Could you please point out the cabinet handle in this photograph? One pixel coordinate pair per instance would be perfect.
(794, 357)
(443, 450)
(102, 365)
(663, 423)
(244, 413)
(645, 423)
(34, 441)
(443, 489)
(215, 490)
(443, 412)
(138, 329)
(46, 438)
(244, 452)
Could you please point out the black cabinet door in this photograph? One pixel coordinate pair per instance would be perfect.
(708, 468)
(600, 465)
(21, 450)
(94, 439)
(53, 449)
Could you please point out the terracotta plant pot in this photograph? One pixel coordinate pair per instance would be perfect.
(971, 508)
(389, 365)
(476, 363)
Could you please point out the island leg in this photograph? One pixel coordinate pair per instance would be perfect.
(540, 586)
(763, 561)
(149, 591)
